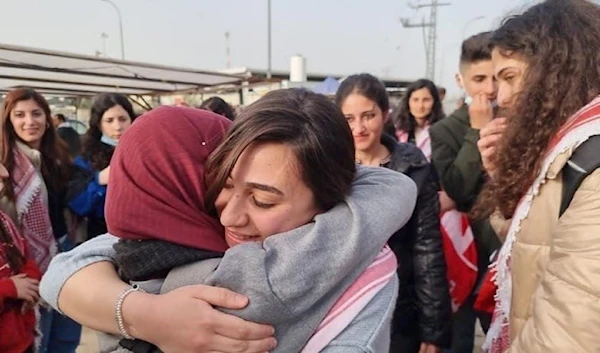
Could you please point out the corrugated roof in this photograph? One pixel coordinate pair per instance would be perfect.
(76, 74)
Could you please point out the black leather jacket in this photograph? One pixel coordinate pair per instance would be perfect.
(423, 297)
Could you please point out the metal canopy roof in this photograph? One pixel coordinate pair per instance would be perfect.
(61, 73)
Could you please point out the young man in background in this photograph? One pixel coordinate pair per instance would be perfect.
(458, 163)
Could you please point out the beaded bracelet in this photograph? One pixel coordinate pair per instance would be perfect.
(119, 307)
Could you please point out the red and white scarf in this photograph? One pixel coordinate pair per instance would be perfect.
(32, 210)
(460, 254)
(580, 127)
(354, 300)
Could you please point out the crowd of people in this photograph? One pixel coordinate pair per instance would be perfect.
(310, 224)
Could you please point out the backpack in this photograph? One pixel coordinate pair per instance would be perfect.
(584, 161)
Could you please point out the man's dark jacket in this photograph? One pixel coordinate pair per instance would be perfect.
(458, 164)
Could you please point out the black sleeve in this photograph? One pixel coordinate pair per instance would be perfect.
(431, 284)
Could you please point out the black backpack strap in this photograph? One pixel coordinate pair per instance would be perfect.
(583, 162)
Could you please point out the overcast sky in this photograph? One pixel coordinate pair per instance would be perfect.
(338, 37)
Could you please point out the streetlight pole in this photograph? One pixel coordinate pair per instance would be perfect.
(269, 39)
(120, 26)
(474, 19)
(104, 37)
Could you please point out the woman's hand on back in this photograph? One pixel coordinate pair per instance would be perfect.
(184, 320)
(103, 176)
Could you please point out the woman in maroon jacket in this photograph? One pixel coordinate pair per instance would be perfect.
(19, 279)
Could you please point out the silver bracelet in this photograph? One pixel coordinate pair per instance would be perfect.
(119, 312)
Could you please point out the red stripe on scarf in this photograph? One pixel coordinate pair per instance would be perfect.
(499, 340)
(354, 300)
(460, 254)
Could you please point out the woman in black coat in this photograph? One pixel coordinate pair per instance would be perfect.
(422, 320)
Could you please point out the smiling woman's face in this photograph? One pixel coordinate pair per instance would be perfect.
(29, 122)
(264, 195)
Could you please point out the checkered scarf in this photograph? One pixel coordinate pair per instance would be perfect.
(580, 127)
(32, 210)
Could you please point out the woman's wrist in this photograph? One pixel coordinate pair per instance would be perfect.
(137, 315)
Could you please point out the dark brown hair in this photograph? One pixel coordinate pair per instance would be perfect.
(405, 121)
(365, 85)
(55, 155)
(14, 257)
(560, 41)
(218, 106)
(61, 117)
(94, 151)
(311, 125)
(476, 48)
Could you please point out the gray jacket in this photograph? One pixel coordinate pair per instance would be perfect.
(341, 244)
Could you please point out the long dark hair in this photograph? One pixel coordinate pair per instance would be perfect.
(218, 106)
(311, 125)
(94, 151)
(405, 121)
(560, 41)
(56, 164)
(366, 85)
(14, 257)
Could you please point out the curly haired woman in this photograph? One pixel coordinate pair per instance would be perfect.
(548, 70)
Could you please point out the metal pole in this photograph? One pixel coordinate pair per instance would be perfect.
(104, 36)
(120, 27)
(431, 42)
(227, 50)
(269, 39)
